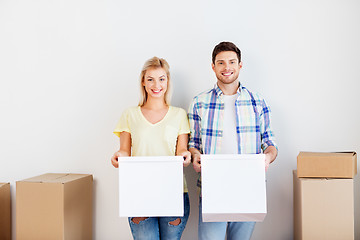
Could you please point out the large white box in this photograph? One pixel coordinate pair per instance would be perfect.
(151, 186)
(233, 188)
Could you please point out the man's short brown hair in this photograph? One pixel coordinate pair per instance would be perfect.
(223, 47)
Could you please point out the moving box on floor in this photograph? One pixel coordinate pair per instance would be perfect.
(5, 212)
(323, 208)
(54, 206)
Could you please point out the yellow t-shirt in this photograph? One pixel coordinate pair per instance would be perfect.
(157, 139)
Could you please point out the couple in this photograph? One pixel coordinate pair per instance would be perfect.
(227, 119)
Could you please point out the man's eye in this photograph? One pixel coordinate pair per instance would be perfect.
(162, 79)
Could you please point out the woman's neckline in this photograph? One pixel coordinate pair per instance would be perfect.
(158, 122)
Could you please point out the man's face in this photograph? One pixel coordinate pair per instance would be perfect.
(227, 67)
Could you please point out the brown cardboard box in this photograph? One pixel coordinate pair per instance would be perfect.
(5, 211)
(327, 165)
(323, 208)
(54, 206)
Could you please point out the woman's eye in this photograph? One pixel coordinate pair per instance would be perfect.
(162, 79)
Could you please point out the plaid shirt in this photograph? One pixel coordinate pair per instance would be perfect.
(206, 113)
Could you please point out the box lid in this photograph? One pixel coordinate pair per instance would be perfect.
(55, 178)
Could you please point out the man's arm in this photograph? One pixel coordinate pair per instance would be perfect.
(267, 137)
(195, 135)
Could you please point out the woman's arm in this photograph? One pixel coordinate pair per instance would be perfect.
(125, 148)
(181, 148)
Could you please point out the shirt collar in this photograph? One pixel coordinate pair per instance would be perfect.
(218, 91)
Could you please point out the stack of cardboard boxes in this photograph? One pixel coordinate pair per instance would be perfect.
(324, 195)
(49, 206)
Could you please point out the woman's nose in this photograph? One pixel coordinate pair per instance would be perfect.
(157, 83)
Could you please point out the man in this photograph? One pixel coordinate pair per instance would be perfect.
(228, 119)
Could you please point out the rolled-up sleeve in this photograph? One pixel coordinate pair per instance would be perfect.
(195, 127)
(267, 134)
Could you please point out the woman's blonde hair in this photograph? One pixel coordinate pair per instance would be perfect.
(154, 62)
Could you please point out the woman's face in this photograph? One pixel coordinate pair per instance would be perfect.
(155, 82)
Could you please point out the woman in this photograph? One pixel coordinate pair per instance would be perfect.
(154, 128)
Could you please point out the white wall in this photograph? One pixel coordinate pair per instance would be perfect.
(69, 68)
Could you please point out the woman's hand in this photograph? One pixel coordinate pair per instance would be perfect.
(114, 158)
(181, 148)
(187, 157)
(125, 148)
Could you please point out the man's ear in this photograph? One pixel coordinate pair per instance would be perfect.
(213, 67)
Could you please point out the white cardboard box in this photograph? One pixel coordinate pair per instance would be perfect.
(233, 188)
(151, 186)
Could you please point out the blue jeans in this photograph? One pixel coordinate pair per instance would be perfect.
(155, 228)
(218, 230)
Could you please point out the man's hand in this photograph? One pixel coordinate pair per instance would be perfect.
(270, 156)
(196, 157)
(267, 161)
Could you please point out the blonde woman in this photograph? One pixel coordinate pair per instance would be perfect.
(154, 128)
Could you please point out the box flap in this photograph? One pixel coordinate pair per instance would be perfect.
(151, 159)
(55, 178)
(233, 157)
(44, 177)
(327, 154)
(3, 184)
(71, 177)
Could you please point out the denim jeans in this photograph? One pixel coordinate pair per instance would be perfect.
(218, 230)
(155, 228)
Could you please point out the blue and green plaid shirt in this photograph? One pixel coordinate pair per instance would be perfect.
(206, 113)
